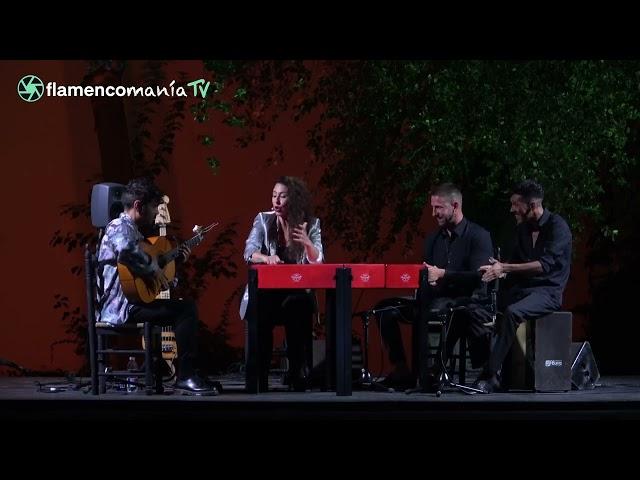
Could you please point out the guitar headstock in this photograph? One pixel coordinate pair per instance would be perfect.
(200, 230)
(163, 218)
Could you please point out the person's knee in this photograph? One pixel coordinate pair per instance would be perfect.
(511, 312)
(513, 316)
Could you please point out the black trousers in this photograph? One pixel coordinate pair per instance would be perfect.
(293, 309)
(518, 305)
(468, 323)
(182, 315)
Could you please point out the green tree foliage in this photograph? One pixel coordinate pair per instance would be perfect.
(388, 130)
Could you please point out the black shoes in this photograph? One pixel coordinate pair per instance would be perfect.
(399, 380)
(431, 382)
(299, 384)
(215, 385)
(487, 383)
(197, 386)
(299, 380)
(263, 384)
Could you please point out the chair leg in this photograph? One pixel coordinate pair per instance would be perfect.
(101, 363)
(309, 355)
(158, 361)
(93, 360)
(462, 373)
(159, 388)
(148, 358)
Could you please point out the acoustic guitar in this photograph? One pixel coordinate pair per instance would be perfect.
(140, 290)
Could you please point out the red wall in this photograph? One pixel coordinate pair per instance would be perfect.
(49, 148)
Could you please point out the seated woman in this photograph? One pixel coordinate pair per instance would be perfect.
(289, 233)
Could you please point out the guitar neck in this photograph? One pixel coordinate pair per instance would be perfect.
(171, 255)
(164, 294)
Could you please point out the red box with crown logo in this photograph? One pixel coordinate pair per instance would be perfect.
(367, 275)
(403, 275)
(297, 276)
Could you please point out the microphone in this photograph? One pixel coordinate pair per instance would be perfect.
(438, 310)
(390, 308)
(494, 291)
(454, 305)
(384, 309)
(447, 306)
(494, 305)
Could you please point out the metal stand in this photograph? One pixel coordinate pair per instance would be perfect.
(365, 381)
(444, 378)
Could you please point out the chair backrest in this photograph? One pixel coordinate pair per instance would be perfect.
(90, 287)
(90, 278)
(98, 333)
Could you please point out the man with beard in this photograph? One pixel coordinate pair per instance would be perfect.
(452, 254)
(535, 276)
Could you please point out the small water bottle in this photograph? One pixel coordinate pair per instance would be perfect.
(132, 366)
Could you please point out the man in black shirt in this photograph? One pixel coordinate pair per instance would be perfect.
(452, 255)
(537, 274)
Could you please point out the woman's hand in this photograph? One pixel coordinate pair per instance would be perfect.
(268, 259)
(300, 235)
(272, 259)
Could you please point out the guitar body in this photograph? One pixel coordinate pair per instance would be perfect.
(134, 287)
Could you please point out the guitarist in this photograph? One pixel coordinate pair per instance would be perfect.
(120, 243)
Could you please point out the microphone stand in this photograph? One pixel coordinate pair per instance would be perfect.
(444, 378)
(365, 381)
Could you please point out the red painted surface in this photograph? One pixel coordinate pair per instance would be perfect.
(49, 149)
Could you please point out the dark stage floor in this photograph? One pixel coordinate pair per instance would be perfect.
(615, 398)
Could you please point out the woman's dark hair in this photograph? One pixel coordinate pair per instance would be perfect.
(299, 209)
(299, 203)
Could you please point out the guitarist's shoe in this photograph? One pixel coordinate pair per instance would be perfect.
(195, 386)
(214, 385)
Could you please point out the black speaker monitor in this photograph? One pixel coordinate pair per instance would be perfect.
(106, 203)
(584, 371)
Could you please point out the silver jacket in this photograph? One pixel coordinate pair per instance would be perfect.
(260, 241)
